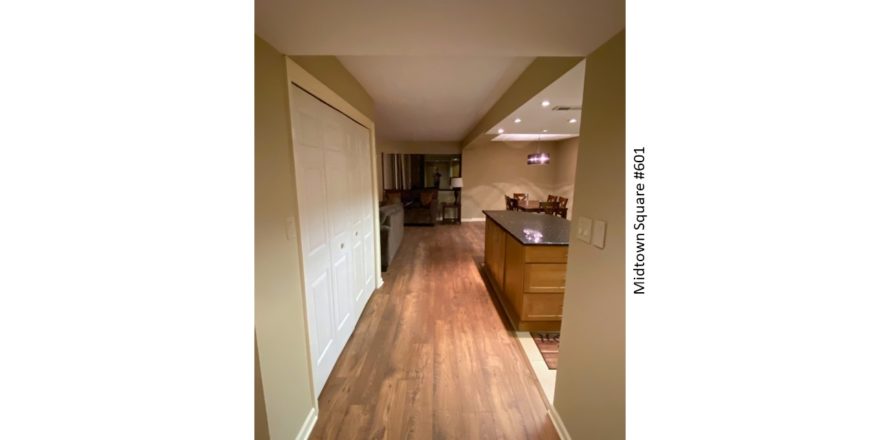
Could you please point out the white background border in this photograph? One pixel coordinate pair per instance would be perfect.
(126, 175)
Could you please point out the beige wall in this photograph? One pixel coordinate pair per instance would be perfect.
(334, 75)
(278, 299)
(540, 74)
(590, 381)
(493, 169)
(565, 163)
(261, 422)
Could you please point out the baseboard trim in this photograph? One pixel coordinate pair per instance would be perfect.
(473, 219)
(557, 423)
(306, 430)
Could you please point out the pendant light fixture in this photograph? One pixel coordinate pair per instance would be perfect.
(538, 158)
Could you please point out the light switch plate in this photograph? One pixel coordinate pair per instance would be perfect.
(584, 229)
(599, 234)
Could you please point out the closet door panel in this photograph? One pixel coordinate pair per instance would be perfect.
(314, 234)
(359, 270)
(366, 202)
(334, 193)
(336, 164)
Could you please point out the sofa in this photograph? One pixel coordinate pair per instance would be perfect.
(390, 231)
(421, 206)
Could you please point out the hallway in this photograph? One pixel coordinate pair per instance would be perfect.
(431, 356)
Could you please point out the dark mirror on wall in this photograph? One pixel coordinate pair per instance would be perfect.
(420, 171)
(440, 169)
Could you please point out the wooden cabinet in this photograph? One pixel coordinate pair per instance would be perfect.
(544, 278)
(529, 280)
(494, 254)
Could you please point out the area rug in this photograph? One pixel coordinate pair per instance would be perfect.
(548, 345)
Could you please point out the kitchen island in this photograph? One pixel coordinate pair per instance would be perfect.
(525, 258)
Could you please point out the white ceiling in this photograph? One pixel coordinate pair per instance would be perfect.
(432, 98)
(433, 68)
(567, 91)
(438, 28)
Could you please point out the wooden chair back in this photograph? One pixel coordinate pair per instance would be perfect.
(549, 207)
(552, 198)
(519, 196)
(563, 202)
(510, 203)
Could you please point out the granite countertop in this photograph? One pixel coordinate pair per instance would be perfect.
(533, 228)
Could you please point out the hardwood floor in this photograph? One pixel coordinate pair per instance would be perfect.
(431, 356)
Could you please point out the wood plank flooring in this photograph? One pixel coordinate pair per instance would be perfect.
(431, 357)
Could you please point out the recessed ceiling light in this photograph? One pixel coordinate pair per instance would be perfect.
(545, 103)
(572, 121)
(500, 130)
(544, 130)
(517, 120)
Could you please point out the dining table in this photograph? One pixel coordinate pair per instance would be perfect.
(529, 205)
(535, 206)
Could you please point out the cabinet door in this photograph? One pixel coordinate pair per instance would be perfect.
(542, 307)
(544, 277)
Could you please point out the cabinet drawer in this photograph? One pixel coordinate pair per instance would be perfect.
(546, 254)
(543, 277)
(542, 307)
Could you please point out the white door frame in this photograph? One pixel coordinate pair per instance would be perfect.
(306, 81)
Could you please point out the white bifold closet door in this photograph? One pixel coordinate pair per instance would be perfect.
(333, 184)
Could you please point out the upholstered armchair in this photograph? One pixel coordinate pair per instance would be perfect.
(423, 208)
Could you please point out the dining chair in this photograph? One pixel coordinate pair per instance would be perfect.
(562, 210)
(552, 198)
(549, 207)
(510, 203)
(519, 196)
